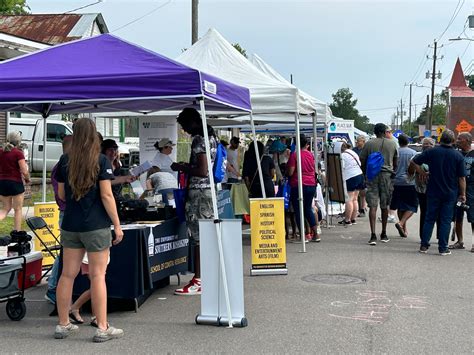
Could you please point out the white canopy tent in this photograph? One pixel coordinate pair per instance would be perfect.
(323, 112)
(272, 100)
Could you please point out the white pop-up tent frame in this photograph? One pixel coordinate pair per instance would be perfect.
(273, 100)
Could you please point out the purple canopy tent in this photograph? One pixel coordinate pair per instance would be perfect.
(106, 74)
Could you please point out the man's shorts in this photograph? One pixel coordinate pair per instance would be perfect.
(355, 183)
(379, 191)
(459, 213)
(92, 241)
(404, 198)
(198, 206)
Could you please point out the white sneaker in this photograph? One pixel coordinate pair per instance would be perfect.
(108, 334)
(63, 331)
(391, 219)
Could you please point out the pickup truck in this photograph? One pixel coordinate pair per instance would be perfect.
(32, 137)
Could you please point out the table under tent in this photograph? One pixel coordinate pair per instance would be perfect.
(107, 74)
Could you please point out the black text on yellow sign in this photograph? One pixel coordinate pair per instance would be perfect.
(267, 219)
(49, 211)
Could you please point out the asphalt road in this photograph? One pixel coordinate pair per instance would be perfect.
(392, 300)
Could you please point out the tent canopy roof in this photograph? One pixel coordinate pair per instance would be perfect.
(215, 55)
(106, 74)
(306, 102)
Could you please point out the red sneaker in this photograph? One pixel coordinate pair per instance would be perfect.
(191, 289)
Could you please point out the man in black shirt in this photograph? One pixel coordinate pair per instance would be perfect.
(464, 142)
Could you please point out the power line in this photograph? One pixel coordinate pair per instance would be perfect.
(143, 16)
(453, 17)
(85, 6)
(465, 50)
(378, 109)
(424, 59)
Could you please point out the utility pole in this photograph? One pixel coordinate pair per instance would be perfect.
(401, 114)
(194, 21)
(409, 114)
(433, 75)
(428, 112)
(396, 119)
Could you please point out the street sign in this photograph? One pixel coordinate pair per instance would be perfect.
(427, 133)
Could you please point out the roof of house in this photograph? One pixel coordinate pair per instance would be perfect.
(51, 28)
(458, 84)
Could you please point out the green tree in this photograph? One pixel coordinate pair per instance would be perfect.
(344, 106)
(439, 111)
(13, 7)
(470, 80)
(240, 49)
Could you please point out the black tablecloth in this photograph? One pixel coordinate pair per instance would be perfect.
(143, 261)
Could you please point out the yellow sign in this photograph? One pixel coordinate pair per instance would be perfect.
(439, 131)
(49, 211)
(267, 219)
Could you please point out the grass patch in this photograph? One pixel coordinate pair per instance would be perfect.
(6, 226)
(36, 196)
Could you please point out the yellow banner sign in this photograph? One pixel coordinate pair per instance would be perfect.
(267, 223)
(49, 211)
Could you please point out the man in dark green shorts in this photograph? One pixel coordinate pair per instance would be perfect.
(379, 190)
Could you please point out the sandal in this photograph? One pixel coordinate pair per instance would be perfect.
(400, 230)
(94, 324)
(457, 245)
(75, 317)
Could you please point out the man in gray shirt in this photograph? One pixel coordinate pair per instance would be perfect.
(404, 197)
(379, 190)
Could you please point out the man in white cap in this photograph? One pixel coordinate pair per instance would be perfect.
(162, 159)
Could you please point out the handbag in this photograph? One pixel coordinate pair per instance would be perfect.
(284, 190)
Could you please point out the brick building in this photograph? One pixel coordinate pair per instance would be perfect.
(461, 103)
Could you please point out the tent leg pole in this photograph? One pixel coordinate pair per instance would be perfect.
(300, 183)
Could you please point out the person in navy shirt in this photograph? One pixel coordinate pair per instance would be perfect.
(446, 185)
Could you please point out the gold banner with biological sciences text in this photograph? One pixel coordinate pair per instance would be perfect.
(49, 211)
(267, 222)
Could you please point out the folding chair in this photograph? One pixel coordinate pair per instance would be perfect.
(36, 224)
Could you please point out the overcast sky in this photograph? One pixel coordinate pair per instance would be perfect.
(372, 47)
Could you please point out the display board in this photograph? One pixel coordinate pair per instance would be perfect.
(341, 130)
(49, 211)
(267, 216)
(151, 130)
(213, 302)
(334, 180)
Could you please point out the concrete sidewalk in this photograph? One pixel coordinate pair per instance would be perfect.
(27, 212)
(341, 296)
